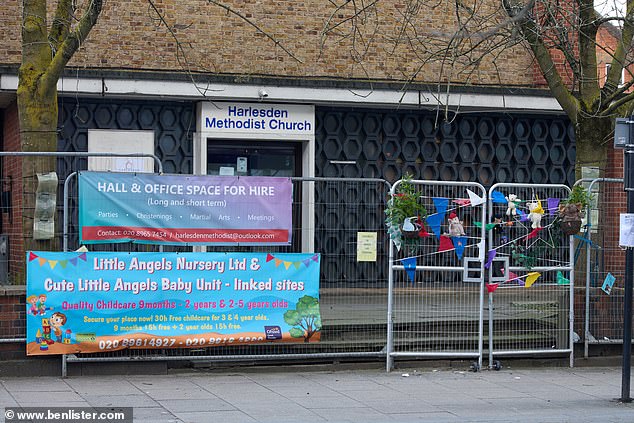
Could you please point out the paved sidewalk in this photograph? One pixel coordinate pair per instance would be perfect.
(585, 394)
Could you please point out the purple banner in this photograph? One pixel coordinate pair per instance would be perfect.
(184, 209)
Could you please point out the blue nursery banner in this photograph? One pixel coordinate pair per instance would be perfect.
(87, 302)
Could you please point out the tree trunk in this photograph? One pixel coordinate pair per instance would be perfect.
(37, 108)
(592, 146)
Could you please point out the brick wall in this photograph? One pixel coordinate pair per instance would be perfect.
(127, 37)
(12, 321)
(12, 182)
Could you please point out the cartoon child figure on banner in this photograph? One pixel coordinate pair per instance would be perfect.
(41, 305)
(56, 321)
(33, 309)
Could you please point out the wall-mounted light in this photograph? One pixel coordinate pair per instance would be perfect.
(262, 93)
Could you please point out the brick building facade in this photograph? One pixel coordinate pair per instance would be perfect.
(371, 119)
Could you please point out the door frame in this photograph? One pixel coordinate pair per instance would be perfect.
(305, 113)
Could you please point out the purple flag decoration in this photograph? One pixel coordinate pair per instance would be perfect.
(459, 243)
(553, 206)
(410, 267)
(490, 256)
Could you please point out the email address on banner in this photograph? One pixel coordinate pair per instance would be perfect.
(60, 414)
(102, 233)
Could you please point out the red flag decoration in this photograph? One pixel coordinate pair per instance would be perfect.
(534, 233)
(32, 256)
(491, 287)
(445, 243)
(269, 257)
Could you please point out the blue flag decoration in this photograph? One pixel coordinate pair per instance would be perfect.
(441, 205)
(434, 221)
(498, 197)
(561, 280)
(410, 267)
(459, 243)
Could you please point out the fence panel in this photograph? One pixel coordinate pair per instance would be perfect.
(328, 213)
(434, 310)
(599, 255)
(19, 184)
(530, 279)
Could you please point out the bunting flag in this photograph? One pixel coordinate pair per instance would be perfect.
(533, 233)
(491, 287)
(514, 277)
(441, 204)
(434, 221)
(491, 255)
(523, 216)
(287, 264)
(53, 263)
(561, 280)
(445, 244)
(481, 247)
(553, 206)
(410, 267)
(498, 197)
(462, 201)
(423, 232)
(531, 278)
(459, 243)
(487, 227)
(474, 198)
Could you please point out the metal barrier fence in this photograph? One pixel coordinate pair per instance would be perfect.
(328, 213)
(435, 306)
(599, 254)
(530, 278)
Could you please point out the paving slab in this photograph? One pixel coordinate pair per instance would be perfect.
(352, 396)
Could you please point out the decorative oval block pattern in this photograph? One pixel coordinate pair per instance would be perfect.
(371, 149)
(430, 150)
(172, 123)
(411, 149)
(352, 148)
(391, 148)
